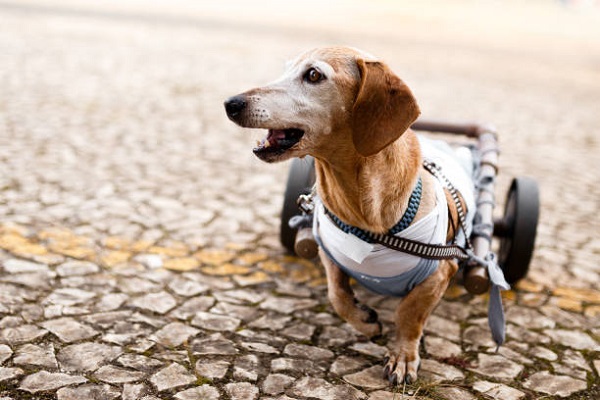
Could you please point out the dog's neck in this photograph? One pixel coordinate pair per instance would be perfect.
(372, 192)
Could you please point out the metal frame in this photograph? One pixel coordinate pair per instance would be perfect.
(476, 279)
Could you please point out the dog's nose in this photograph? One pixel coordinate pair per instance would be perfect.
(234, 106)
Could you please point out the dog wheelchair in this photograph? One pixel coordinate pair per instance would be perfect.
(515, 230)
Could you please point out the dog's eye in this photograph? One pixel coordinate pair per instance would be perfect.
(313, 75)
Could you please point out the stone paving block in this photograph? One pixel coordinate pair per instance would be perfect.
(16, 266)
(139, 362)
(43, 381)
(273, 322)
(497, 367)
(344, 365)
(174, 334)
(215, 322)
(21, 334)
(241, 391)
(259, 347)
(498, 390)
(293, 365)
(68, 330)
(332, 336)
(212, 370)
(73, 268)
(454, 393)
(370, 378)
(245, 368)
(86, 357)
(244, 313)
(545, 382)
(160, 302)
(5, 353)
(10, 373)
(434, 371)
(370, 349)
(441, 348)
(88, 392)
(442, 327)
(69, 297)
(321, 389)
(134, 391)
(215, 344)
(173, 376)
(42, 355)
(574, 339)
(192, 306)
(308, 352)
(204, 392)
(117, 375)
(186, 287)
(287, 305)
(544, 353)
(276, 383)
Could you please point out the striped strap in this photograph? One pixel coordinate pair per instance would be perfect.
(437, 172)
(420, 249)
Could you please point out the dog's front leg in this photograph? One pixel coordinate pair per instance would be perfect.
(363, 318)
(402, 360)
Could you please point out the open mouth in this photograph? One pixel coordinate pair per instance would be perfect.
(278, 141)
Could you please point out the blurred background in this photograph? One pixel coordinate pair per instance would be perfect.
(111, 117)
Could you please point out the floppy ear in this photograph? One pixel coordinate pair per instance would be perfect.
(383, 110)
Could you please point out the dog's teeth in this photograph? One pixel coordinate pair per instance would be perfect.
(258, 143)
(267, 144)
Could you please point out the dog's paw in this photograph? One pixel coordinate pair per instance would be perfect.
(368, 324)
(401, 367)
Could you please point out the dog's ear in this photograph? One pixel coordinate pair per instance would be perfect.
(383, 110)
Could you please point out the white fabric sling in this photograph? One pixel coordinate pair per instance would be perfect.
(387, 271)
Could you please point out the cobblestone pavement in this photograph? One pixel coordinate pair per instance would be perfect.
(139, 255)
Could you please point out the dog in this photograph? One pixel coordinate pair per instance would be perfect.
(350, 112)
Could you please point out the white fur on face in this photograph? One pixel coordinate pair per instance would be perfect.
(292, 102)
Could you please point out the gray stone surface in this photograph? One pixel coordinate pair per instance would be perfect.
(68, 330)
(42, 355)
(370, 378)
(139, 249)
(86, 356)
(88, 392)
(173, 376)
(321, 389)
(116, 375)
(10, 373)
(204, 392)
(43, 381)
(545, 382)
(498, 390)
(241, 391)
(215, 322)
(5, 353)
(276, 383)
(497, 367)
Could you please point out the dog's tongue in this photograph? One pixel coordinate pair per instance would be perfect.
(275, 135)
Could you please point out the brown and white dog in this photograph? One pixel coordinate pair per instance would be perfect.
(352, 114)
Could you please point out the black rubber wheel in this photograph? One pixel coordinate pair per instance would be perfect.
(301, 179)
(519, 228)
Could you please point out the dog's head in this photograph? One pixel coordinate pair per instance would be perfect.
(329, 101)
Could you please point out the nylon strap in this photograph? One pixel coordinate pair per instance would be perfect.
(436, 171)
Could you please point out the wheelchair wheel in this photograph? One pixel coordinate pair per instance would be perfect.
(518, 228)
(301, 179)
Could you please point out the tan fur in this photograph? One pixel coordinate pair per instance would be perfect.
(367, 162)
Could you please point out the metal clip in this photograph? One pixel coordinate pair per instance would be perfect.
(305, 203)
